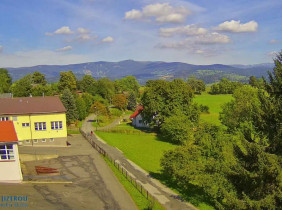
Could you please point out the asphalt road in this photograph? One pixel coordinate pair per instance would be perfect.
(94, 186)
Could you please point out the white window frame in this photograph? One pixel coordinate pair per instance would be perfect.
(40, 126)
(4, 118)
(25, 124)
(56, 125)
(52, 139)
(7, 150)
(35, 141)
(27, 141)
(43, 140)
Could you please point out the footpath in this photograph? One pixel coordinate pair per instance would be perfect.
(169, 199)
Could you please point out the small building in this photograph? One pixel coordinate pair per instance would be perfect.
(38, 121)
(10, 168)
(137, 119)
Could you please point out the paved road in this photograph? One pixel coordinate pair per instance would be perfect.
(163, 194)
(94, 184)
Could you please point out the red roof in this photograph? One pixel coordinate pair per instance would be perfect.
(7, 132)
(137, 112)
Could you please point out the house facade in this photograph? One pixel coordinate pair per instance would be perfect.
(137, 119)
(10, 168)
(38, 121)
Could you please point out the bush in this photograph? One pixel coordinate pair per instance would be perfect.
(204, 109)
(177, 129)
(115, 112)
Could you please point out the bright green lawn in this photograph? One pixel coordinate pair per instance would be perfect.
(214, 102)
(144, 150)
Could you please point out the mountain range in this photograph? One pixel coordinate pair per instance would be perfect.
(148, 70)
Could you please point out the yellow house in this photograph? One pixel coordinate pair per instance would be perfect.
(38, 121)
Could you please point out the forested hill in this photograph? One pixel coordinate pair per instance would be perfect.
(144, 71)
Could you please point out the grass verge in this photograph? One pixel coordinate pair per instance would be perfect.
(140, 201)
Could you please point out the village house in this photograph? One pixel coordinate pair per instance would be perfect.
(137, 119)
(10, 168)
(38, 121)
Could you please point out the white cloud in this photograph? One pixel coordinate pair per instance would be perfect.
(63, 30)
(41, 57)
(183, 30)
(236, 26)
(204, 44)
(273, 41)
(211, 38)
(67, 48)
(83, 30)
(133, 14)
(83, 38)
(108, 39)
(161, 13)
(1, 49)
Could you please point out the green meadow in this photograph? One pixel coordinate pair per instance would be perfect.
(214, 102)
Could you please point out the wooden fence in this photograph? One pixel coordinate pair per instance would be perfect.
(136, 183)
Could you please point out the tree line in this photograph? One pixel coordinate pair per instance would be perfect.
(80, 97)
(238, 165)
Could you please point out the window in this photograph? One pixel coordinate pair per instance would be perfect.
(140, 121)
(40, 126)
(43, 140)
(35, 141)
(27, 141)
(25, 124)
(7, 152)
(4, 118)
(55, 125)
(52, 139)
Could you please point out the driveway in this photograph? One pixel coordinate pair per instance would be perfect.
(93, 184)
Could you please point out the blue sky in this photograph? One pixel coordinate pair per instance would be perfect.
(35, 32)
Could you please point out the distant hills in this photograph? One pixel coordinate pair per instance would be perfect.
(144, 71)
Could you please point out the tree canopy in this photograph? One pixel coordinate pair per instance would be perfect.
(5, 81)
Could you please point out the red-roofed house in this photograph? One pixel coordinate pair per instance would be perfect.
(137, 119)
(10, 168)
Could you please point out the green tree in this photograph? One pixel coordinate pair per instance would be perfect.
(106, 88)
(162, 99)
(88, 84)
(38, 78)
(22, 87)
(131, 101)
(5, 81)
(70, 105)
(177, 129)
(81, 108)
(128, 83)
(197, 86)
(40, 90)
(89, 100)
(67, 81)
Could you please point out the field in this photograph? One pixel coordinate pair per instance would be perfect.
(144, 149)
(214, 102)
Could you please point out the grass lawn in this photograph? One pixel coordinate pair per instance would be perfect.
(146, 150)
(214, 102)
(140, 200)
(143, 149)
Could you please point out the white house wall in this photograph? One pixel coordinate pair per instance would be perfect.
(11, 170)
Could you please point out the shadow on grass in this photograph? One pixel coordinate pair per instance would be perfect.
(192, 194)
